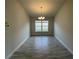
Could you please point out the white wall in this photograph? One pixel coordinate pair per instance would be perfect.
(63, 25)
(19, 28)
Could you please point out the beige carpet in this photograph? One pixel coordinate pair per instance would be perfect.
(42, 47)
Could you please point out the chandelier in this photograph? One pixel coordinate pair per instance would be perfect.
(41, 17)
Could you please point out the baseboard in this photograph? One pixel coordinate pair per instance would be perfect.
(16, 48)
(59, 39)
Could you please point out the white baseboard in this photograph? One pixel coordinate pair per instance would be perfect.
(59, 39)
(16, 48)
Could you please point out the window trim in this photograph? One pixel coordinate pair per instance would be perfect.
(42, 26)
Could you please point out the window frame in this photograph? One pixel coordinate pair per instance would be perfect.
(42, 26)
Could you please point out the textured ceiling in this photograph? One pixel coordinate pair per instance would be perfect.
(49, 7)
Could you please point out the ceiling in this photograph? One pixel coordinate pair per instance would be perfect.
(49, 7)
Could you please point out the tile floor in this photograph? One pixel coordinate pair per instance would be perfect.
(42, 47)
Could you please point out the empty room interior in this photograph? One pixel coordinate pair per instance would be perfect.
(38, 29)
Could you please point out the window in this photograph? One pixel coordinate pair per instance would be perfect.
(41, 26)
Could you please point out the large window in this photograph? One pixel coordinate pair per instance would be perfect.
(41, 26)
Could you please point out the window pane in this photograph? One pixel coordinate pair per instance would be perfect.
(37, 26)
(37, 29)
(37, 21)
(45, 24)
(45, 29)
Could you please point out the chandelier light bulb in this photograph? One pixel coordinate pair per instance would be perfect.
(41, 18)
